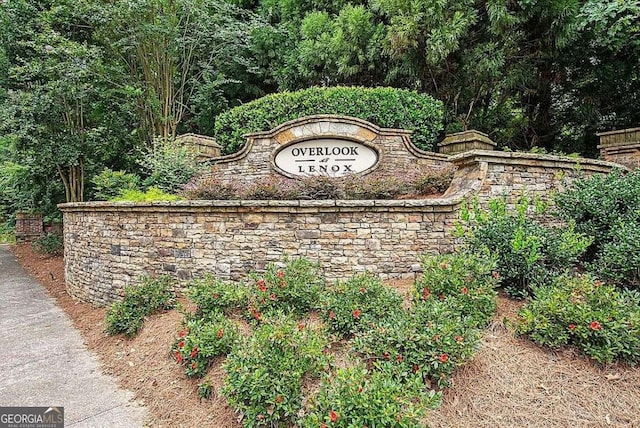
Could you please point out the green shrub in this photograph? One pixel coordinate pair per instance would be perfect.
(273, 187)
(210, 187)
(151, 195)
(7, 233)
(110, 184)
(607, 208)
(464, 280)
(202, 341)
(213, 295)
(385, 107)
(292, 287)
(50, 243)
(420, 181)
(357, 397)
(265, 372)
(169, 165)
(319, 187)
(619, 258)
(527, 253)
(453, 299)
(205, 389)
(376, 186)
(353, 305)
(429, 340)
(598, 319)
(141, 300)
(432, 181)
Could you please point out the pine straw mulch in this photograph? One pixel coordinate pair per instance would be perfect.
(510, 382)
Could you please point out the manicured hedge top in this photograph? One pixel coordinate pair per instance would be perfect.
(385, 107)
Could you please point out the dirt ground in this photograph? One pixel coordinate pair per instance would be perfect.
(510, 382)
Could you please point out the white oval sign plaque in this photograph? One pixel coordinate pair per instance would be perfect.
(325, 156)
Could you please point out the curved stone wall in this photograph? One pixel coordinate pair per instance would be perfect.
(109, 245)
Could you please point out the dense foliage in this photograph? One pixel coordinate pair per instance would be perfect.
(607, 208)
(600, 320)
(385, 107)
(265, 372)
(85, 84)
(410, 182)
(386, 352)
(140, 300)
(527, 252)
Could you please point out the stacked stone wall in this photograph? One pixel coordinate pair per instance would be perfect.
(109, 245)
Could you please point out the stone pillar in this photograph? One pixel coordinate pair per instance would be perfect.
(621, 147)
(28, 227)
(465, 141)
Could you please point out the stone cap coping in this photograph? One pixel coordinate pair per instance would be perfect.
(618, 131)
(466, 136)
(443, 204)
(534, 159)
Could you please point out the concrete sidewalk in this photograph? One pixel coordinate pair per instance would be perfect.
(44, 361)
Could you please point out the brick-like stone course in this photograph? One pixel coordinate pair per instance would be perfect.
(108, 247)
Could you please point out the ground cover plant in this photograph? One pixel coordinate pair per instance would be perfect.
(49, 243)
(358, 396)
(202, 340)
(265, 372)
(140, 300)
(453, 300)
(354, 305)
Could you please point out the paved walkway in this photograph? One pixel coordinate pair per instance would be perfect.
(44, 362)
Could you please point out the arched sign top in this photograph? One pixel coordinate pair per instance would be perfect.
(333, 157)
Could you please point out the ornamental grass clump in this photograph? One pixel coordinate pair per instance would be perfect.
(141, 300)
(265, 372)
(600, 320)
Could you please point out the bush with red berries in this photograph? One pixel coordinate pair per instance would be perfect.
(201, 341)
(265, 371)
(292, 287)
(600, 320)
(356, 304)
(358, 397)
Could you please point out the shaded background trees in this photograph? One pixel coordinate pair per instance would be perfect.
(87, 84)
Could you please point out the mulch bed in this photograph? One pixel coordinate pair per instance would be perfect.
(510, 383)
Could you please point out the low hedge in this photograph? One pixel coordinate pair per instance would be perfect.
(385, 107)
